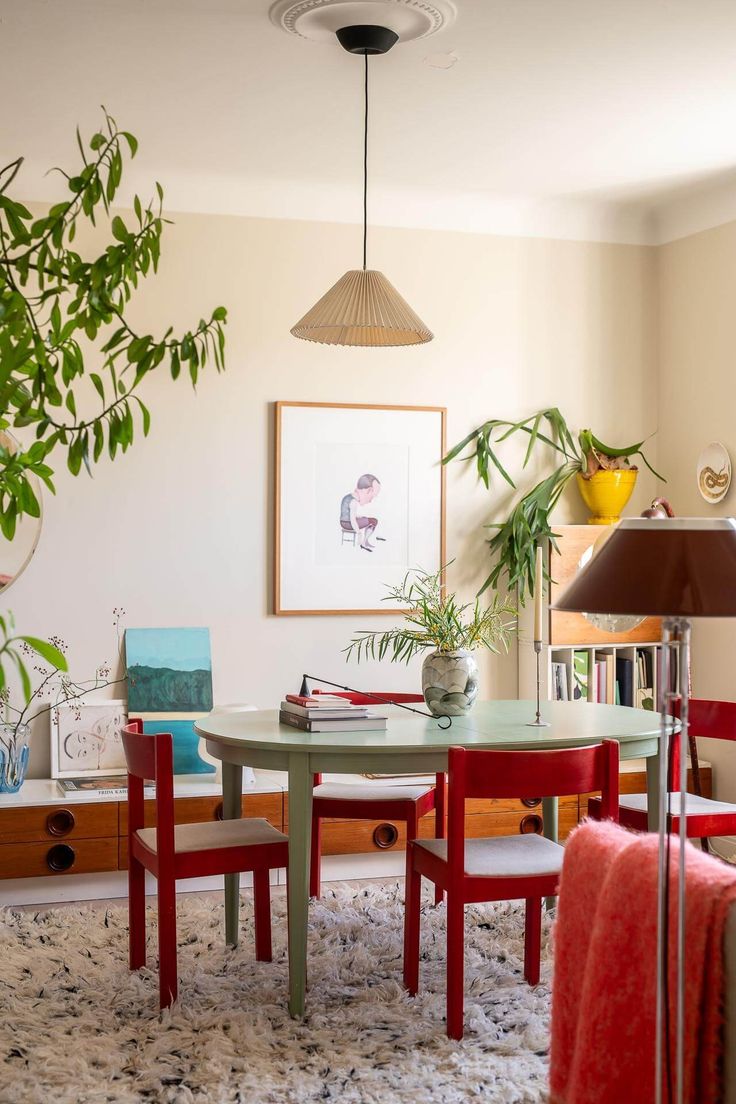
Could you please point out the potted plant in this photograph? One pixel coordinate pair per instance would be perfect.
(436, 622)
(605, 476)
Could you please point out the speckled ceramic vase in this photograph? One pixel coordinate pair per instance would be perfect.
(450, 682)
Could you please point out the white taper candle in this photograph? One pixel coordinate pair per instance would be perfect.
(538, 595)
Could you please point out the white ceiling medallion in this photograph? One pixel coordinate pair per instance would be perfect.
(318, 20)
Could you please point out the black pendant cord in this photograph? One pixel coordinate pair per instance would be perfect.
(365, 169)
(304, 692)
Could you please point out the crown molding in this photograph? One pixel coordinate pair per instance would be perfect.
(693, 212)
(323, 201)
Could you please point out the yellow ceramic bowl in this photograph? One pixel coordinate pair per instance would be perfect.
(606, 494)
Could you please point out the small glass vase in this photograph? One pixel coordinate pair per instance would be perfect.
(14, 753)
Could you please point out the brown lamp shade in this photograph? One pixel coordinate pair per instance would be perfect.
(666, 567)
(362, 308)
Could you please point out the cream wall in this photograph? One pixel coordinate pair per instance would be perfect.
(697, 338)
(178, 532)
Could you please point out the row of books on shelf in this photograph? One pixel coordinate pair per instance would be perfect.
(328, 713)
(605, 677)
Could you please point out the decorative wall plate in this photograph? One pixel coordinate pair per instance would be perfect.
(319, 19)
(714, 472)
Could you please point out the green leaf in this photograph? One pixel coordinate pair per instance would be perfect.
(47, 651)
(146, 414)
(131, 140)
(119, 229)
(99, 441)
(25, 678)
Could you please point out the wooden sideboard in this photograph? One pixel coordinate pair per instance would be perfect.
(43, 834)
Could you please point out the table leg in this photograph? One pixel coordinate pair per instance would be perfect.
(549, 816)
(300, 833)
(232, 789)
(652, 792)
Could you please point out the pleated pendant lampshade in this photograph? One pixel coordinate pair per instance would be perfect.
(362, 308)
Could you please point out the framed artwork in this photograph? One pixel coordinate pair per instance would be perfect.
(360, 500)
(85, 738)
(170, 686)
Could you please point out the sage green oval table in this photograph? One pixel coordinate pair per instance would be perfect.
(411, 744)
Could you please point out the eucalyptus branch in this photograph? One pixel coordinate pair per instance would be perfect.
(435, 620)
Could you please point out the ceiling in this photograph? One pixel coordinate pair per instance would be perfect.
(557, 115)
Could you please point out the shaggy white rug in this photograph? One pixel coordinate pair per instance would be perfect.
(76, 1027)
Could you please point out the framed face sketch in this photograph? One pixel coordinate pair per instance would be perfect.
(85, 738)
(360, 500)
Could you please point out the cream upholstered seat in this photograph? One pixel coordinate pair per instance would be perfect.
(346, 791)
(522, 856)
(694, 805)
(215, 834)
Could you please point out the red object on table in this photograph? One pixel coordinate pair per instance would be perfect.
(604, 991)
(186, 851)
(705, 817)
(403, 803)
(505, 867)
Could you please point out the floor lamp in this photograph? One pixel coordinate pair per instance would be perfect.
(677, 569)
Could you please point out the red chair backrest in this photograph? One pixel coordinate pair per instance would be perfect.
(150, 756)
(356, 698)
(713, 720)
(527, 774)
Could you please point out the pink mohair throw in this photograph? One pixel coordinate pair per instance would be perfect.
(604, 991)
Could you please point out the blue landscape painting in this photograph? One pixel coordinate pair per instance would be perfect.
(169, 670)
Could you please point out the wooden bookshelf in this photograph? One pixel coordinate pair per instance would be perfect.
(568, 633)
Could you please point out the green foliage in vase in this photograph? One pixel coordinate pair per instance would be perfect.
(513, 547)
(55, 304)
(435, 620)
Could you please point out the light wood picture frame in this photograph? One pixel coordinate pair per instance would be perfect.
(359, 501)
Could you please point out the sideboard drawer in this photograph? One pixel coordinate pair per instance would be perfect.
(196, 810)
(361, 837)
(59, 822)
(64, 856)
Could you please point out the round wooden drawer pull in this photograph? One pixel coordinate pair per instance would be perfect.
(60, 823)
(61, 857)
(385, 835)
(531, 823)
(531, 802)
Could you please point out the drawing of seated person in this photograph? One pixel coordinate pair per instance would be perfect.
(352, 520)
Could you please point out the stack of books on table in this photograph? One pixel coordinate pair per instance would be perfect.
(328, 713)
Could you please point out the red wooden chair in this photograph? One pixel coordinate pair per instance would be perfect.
(186, 851)
(704, 816)
(504, 867)
(385, 802)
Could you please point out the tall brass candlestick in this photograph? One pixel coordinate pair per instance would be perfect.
(538, 631)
